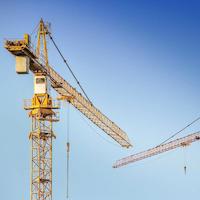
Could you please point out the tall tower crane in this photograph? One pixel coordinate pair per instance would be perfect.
(42, 108)
(181, 142)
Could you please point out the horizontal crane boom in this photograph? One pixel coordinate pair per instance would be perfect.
(158, 150)
(21, 48)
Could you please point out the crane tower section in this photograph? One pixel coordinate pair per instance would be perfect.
(43, 115)
(42, 112)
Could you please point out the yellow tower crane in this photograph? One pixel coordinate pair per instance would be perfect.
(42, 108)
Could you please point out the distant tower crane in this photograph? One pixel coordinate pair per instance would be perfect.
(181, 142)
(42, 108)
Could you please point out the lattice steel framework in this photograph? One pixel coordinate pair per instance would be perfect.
(180, 142)
(41, 137)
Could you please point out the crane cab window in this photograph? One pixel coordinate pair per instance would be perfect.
(40, 85)
(40, 80)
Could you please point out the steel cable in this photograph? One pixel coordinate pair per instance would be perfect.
(65, 61)
(194, 121)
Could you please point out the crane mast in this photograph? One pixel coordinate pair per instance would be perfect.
(181, 142)
(43, 115)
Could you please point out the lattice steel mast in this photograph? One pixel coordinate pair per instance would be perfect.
(41, 137)
(42, 114)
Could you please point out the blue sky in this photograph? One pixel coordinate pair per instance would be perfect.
(139, 63)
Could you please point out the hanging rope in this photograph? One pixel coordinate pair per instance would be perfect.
(68, 146)
(35, 29)
(185, 159)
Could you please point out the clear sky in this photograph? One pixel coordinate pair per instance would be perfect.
(139, 63)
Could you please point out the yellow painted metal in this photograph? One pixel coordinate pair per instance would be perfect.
(43, 115)
(20, 47)
(27, 39)
(41, 42)
(17, 45)
(66, 98)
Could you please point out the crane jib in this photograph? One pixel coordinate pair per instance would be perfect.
(180, 142)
